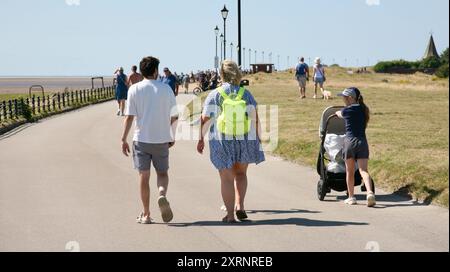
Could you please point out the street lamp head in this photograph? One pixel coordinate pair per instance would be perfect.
(224, 12)
(221, 36)
(216, 30)
(231, 44)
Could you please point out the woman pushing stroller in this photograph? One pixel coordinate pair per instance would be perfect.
(356, 148)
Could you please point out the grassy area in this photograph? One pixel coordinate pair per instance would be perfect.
(408, 133)
(6, 97)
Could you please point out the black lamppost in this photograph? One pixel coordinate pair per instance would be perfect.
(221, 47)
(256, 56)
(216, 59)
(224, 16)
(231, 47)
(263, 57)
(239, 46)
(243, 52)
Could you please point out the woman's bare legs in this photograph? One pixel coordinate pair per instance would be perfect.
(350, 172)
(228, 192)
(240, 171)
(122, 106)
(363, 170)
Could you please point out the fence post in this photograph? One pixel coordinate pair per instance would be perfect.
(64, 100)
(43, 103)
(48, 103)
(71, 97)
(16, 110)
(10, 109)
(54, 104)
(22, 105)
(5, 115)
(39, 104)
(33, 100)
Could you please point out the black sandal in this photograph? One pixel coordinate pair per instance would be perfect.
(241, 215)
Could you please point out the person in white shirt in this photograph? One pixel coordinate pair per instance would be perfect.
(153, 106)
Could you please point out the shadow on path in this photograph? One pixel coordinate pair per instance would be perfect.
(272, 222)
(292, 211)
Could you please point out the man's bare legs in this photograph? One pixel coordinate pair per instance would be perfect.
(163, 183)
(145, 191)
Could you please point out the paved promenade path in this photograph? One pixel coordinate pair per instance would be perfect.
(64, 179)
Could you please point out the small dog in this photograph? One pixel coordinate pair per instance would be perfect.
(327, 95)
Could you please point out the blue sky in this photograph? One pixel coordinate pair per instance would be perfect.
(93, 37)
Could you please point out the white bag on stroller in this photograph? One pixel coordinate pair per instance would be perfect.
(334, 144)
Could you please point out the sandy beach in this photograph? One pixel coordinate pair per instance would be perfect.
(18, 85)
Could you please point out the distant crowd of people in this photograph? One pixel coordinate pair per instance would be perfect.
(207, 80)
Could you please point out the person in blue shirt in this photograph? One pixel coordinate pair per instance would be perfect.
(121, 90)
(356, 148)
(170, 80)
(302, 75)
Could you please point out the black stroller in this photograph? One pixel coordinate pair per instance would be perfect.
(331, 124)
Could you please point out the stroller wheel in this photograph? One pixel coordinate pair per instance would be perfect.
(321, 190)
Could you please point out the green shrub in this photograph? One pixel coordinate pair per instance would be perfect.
(443, 71)
(26, 111)
(385, 66)
(430, 63)
(444, 56)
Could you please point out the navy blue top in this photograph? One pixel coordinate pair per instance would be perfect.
(301, 69)
(355, 121)
(171, 81)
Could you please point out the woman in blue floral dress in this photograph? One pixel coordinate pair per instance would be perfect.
(231, 155)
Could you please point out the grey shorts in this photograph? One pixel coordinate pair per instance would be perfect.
(301, 81)
(144, 154)
(355, 148)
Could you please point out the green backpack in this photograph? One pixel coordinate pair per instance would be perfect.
(233, 121)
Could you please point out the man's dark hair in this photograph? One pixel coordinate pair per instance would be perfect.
(148, 66)
(302, 59)
(134, 68)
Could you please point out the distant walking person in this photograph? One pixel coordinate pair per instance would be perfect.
(154, 107)
(186, 81)
(356, 149)
(134, 77)
(121, 90)
(319, 77)
(234, 138)
(302, 75)
(170, 80)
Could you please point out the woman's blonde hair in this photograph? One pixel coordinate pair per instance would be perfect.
(230, 72)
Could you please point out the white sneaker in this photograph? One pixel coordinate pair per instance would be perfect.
(371, 201)
(118, 113)
(351, 201)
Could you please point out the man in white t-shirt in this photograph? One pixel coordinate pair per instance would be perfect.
(153, 105)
